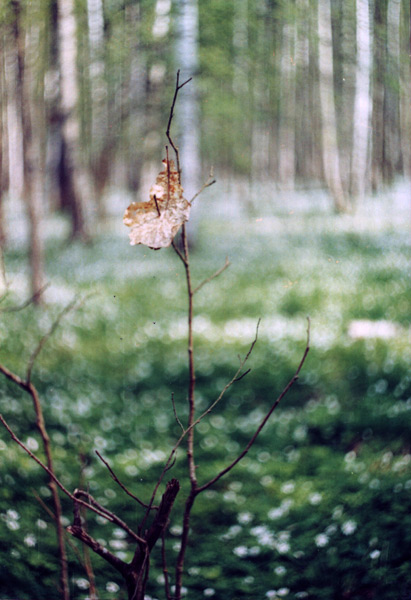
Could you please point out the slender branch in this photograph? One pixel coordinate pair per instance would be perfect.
(123, 487)
(46, 337)
(165, 568)
(175, 412)
(264, 421)
(156, 203)
(102, 512)
(78, 532)
(92, 502)
(178, 252)
(68, 540)
(172, 454)
(216, 274)
(207, 184)
(31, 300)
(173, 103)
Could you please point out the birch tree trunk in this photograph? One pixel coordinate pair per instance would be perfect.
(330, 152)
(71, 181)
(3, 146)
(377, 120)
(286, 151)
(101, 145)
(392, 156)
(362, 103)
(188, 118)
(19, 84)
(14, 125)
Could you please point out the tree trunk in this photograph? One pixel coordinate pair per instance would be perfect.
(377, 125)
(362, 103)
(71, 184)
(19, 84)
(286, 151)
(2, 162)
(14, 125)
(187, 115)
(330, 152)
(392, 157)
(101, 148)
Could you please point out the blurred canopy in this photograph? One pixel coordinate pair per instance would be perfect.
(298, 92)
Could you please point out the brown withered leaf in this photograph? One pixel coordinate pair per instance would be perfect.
(156, 222)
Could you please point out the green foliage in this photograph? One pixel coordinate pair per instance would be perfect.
(319, 508)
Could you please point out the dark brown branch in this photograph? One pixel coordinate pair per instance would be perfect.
(160, 521)
(165, 567)
(216, 274)
(123, 487)
(78, 532)
(171, 456)
(170, 118)
(113, 518)
(264, 421)
(102, 513)
(156, 203)
(178, 252)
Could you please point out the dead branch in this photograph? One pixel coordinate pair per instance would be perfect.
(264, 421)
(47, 336)
(175, 413)
(26, 303)
(178, 87)
(123, 487)
(210, 181)
(216, 274)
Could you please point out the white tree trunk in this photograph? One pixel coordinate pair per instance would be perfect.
(187, 112)
(362, 103)
(331, 159)
(14, 124)
(69, 106)
(98, 91)
(392, 137)
(286, 151)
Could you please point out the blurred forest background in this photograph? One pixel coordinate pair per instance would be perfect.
(302, 109)
(298, 93)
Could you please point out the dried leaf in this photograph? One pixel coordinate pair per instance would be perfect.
(156, 222)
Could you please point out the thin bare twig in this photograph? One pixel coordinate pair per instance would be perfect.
(165, 568)
(175, 412)
(173, 103)
(211, 181)
(31, 300)
(263, 422)
(46, 337)
(178, 252)
(123, 487)
(94, 506)
(216, 274)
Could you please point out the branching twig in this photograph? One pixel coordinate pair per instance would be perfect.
(31, 300)
(216, 274)
(211, 181)
(173, 103)
(46, 337)
(123, 487)
(175, 413)
(93, 506)
(264, 421)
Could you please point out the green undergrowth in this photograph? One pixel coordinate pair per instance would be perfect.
(319, 508)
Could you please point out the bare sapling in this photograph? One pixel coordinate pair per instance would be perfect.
(154, 223)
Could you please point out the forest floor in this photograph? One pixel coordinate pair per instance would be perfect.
(319, 508)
